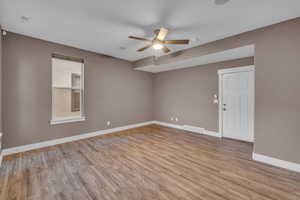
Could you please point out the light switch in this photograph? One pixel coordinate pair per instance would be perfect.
(216, 101)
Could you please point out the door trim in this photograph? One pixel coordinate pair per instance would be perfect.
(221, 72)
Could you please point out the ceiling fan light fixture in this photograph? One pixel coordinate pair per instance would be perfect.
(221, 2)
(157, 46)
(159, 42)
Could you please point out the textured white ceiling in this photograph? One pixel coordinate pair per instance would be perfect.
(230, 54)
(103, 25)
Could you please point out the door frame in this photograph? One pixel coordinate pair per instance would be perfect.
(221, 72)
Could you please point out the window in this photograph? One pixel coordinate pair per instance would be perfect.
(67, 89)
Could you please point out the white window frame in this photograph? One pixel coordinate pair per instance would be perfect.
(81, 117)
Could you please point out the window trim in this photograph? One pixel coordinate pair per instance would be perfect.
(81, 117)
(62, 120)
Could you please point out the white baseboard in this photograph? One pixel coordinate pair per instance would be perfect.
(276, 162)
(168, 125)
(48, 143)
(257, 157)
(194, 129)
(212, 133)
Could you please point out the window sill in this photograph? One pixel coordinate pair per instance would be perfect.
(67, 120)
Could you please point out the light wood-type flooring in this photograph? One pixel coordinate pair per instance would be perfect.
(147, 163)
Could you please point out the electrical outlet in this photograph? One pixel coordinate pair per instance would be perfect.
(108, 123)
(176, 119)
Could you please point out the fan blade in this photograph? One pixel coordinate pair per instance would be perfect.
(138, 38)
(221, 2)
(176, 41)
(162, 33)
(166, 49)
(144, 48)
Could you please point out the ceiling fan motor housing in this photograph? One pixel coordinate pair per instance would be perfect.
(159, 42)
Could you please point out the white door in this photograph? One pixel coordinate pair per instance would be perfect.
(237, 104)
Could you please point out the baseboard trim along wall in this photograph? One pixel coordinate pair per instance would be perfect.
(276, 162)
(193, 129)
(257, 157)
(49, 143)
(168, 125)
(29, 147)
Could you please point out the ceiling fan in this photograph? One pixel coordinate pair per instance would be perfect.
(159, 41)
(221, 2)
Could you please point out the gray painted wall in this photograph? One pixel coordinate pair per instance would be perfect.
(0, 81)
(113, 91)
(187, 93)
(277, 118)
